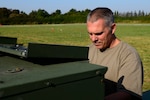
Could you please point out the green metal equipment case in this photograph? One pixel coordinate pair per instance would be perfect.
(26, 78)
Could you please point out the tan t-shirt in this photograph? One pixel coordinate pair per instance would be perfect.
(121, 60)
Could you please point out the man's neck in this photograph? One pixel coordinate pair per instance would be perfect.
(114, 43)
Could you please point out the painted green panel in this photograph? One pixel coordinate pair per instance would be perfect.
(77, 79)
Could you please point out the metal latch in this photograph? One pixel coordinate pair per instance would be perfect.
(15, 70)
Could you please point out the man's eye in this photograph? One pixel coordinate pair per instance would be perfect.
(90, 34)
(100, 33)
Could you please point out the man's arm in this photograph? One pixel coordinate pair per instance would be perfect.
(121, 95)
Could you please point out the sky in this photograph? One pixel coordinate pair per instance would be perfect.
(51, 6)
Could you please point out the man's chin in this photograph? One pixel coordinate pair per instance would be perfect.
(98, 46)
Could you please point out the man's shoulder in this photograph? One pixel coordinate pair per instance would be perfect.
(92, 47)
(127, 47)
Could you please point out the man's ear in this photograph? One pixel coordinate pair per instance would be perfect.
(113, 27)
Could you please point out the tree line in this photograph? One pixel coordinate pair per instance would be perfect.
(41, 16)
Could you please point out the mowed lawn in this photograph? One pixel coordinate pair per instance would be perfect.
(138, 35)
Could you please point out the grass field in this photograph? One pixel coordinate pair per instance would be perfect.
(138, 35)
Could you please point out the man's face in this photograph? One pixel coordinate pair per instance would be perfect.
(100, 34)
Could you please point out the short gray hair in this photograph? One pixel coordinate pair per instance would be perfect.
(101, 13)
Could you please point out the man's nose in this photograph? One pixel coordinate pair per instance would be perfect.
(94, 38)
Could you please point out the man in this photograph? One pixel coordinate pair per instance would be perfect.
(124, 78)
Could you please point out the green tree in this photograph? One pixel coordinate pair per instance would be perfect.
(42, 13)
(4, 13)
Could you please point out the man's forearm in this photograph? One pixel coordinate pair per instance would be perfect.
(119, 96)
